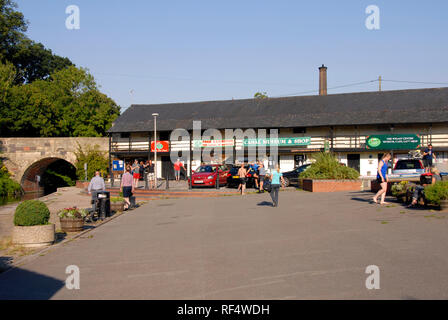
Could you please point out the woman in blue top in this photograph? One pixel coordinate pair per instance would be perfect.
(382, 179)
(276, 176)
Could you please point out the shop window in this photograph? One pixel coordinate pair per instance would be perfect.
(299, 130)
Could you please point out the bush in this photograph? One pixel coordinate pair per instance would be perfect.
(8, 187)
(436, 192)
(399, 189)
(116, 199)
(326, 166)
(31, 213)
(96, 161)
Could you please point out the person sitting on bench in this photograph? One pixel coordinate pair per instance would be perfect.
(420, 189)
(96, 184)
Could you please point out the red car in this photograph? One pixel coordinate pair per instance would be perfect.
(205, 175)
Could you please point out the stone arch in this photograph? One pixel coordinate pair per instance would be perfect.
(37, 168)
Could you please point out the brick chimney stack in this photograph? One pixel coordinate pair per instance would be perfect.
(323, 80)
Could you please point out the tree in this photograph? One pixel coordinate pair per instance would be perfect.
(32, 60)
(67, 104)
(260, 95)
(96, 161)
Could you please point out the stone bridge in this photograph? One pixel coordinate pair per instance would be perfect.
(27, 158)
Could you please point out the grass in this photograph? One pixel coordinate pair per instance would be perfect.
(384, 222)
(12, 249)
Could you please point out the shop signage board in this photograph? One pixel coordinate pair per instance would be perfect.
(213, 143)
(393, 142)
(280, 142)
(162, 146)
(117, 165)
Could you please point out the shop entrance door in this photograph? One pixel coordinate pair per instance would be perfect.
(354, 161)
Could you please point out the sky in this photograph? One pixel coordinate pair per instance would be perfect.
(150, 52)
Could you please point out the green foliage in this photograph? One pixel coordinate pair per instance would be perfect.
(58, 174)
(42, 94)
(436, 192)
(73, 213)
(68, 104)
(31, 213)
(8, 187)
(260, 95)
(116, 199)
(399, 189)
(326, 166)
(96, 161)
(32, 60)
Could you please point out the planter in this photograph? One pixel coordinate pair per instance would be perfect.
(33, 236)
(315, 185)
(72, 224)
(443, 204)
(117, 206)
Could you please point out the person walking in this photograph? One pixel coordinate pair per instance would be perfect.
(96, 184)
(136, 173)
(261, 176)
(177, 166)
(242, 173)
(127, 187)
(382, 179)
(428, 156)
(275, 177)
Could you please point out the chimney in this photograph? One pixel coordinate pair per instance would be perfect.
(323, 80)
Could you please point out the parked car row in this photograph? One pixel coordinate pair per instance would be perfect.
(206, 175)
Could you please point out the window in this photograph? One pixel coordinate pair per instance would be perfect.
(299, 130)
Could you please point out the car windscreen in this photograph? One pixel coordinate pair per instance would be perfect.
(408, 165)
(205, 169)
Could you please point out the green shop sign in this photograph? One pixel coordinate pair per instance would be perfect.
(393, 142)
(280, 142)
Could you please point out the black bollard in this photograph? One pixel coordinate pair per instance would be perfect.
(217, 178)
(167, 185)
(146, 181)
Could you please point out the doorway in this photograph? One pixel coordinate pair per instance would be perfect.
(354, 161)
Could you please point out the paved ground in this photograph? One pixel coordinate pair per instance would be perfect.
(314, 246)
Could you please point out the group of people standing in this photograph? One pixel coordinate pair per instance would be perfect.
(383, 179)
(260, 173)
(131, 177)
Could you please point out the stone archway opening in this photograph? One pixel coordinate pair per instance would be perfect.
(48, 174)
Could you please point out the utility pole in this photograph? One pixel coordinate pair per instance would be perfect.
(379, 82)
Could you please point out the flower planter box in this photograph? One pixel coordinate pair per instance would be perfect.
(72, 224)
(444, 205)
(314, 185)
(33, 236)
(117, 206)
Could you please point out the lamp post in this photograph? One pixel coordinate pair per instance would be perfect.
(155, 147)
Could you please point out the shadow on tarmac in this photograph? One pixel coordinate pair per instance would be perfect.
(20, 284)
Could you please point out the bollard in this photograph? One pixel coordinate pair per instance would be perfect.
(146, 180)
(217, 179)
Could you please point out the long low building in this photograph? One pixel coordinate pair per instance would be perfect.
(357, 127)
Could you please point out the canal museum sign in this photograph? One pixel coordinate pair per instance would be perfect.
(393, 142)
(280, 142)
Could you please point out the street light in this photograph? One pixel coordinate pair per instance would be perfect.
(155, 146)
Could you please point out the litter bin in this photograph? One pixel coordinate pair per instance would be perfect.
(104, 204)
(444, 176)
